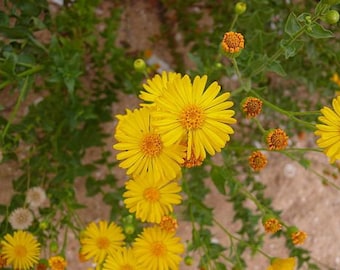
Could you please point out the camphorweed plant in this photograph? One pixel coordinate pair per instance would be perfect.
(189, 132)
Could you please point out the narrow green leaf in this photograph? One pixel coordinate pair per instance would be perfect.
(218, 179)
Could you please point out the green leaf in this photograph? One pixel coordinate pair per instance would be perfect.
(292, 25)
(277, 68)
(93, 186)
(4, 20)
(291, 50)
(17, 32)
(317, 31)
(218, 179)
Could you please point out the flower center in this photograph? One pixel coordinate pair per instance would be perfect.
(20, 251)
(103, 242)
(151, 144)
(252, 107)
(192, 117)
(158, 249)
(126, 267)
(168, 224)
(277, 139)
(152, 194)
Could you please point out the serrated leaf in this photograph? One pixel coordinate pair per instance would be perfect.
(292, 25)
(218, 179)
(317, 31)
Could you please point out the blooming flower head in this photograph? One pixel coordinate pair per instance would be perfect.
(35, 197)
(251, 107)
(187, 112)
(232, 43)
(257, 161)
(21, 250)
(143, 151)
(329, 130)
(299, 237)
(283, 264)
(168, 223)
(150, 199)
(277, 139)
(122, 259)
(21, 218)
(57, 263)
(157, 85)
(158, 249)
(99, 240)
(272, 225)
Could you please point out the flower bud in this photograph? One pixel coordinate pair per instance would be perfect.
(332, 16)
(129, 229)
(188, 260)
(43, 225)
(54, 246)
(240, 8)
(139, 65)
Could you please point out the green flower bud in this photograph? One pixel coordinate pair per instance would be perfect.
(188, 260)
(139, 65)
(129, 229)
(332, 16)
(240, 8)
(43, 225)
(54, 246)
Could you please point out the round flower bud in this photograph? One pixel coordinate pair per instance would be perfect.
(332, 16)
(54, 246)
(43, 225)
(188, 260)
(129, 229)
(232, 44)
(139, 65)
(240, 8)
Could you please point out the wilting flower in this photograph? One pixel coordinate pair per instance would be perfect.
(194, 116)
(57, 263)
(299, 237)
(329, 130)
(257, 161)
(282, 264)
(277, 139)
(232, 43)
(150, 200)
(158, 249)
(35, 197)
(251, 107)
(21, 250)
(100, 240)
(143, 151)
(272, 225)
(168, 223)
(21, 218)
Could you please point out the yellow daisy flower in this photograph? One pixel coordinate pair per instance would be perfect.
(57, 263)
(158, 249)
(329, 130)
(157, 85)
(123, 259)
(99, 241)
(187, 112)
(283, 264)
(143, 151)
(21, 250)
(150, 200)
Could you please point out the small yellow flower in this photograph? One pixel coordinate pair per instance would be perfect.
(257, 161)
(336, 79)
(299, 237)
(252, 107)
(283, 264)
(272, 225)
(232, 43)
(277, 139)
(57, 263)
(168, 223)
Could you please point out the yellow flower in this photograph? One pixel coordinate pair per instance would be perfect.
(57, 263)
(252, 107)
(257, 161)
(157, 85)
(283, 264)
(21, 250)
(299, 237)
(99, 241)
(329, 130)
(232, 43)
(200, 118)
(158, 249)
(123, 259)
(143, 151)
(151, 199)
(277, 139)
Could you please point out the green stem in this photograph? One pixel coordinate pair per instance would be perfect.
(17, 105)
(259, 125)
(31, 71)
(237, 71)
(233, 22)
(282, 111)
